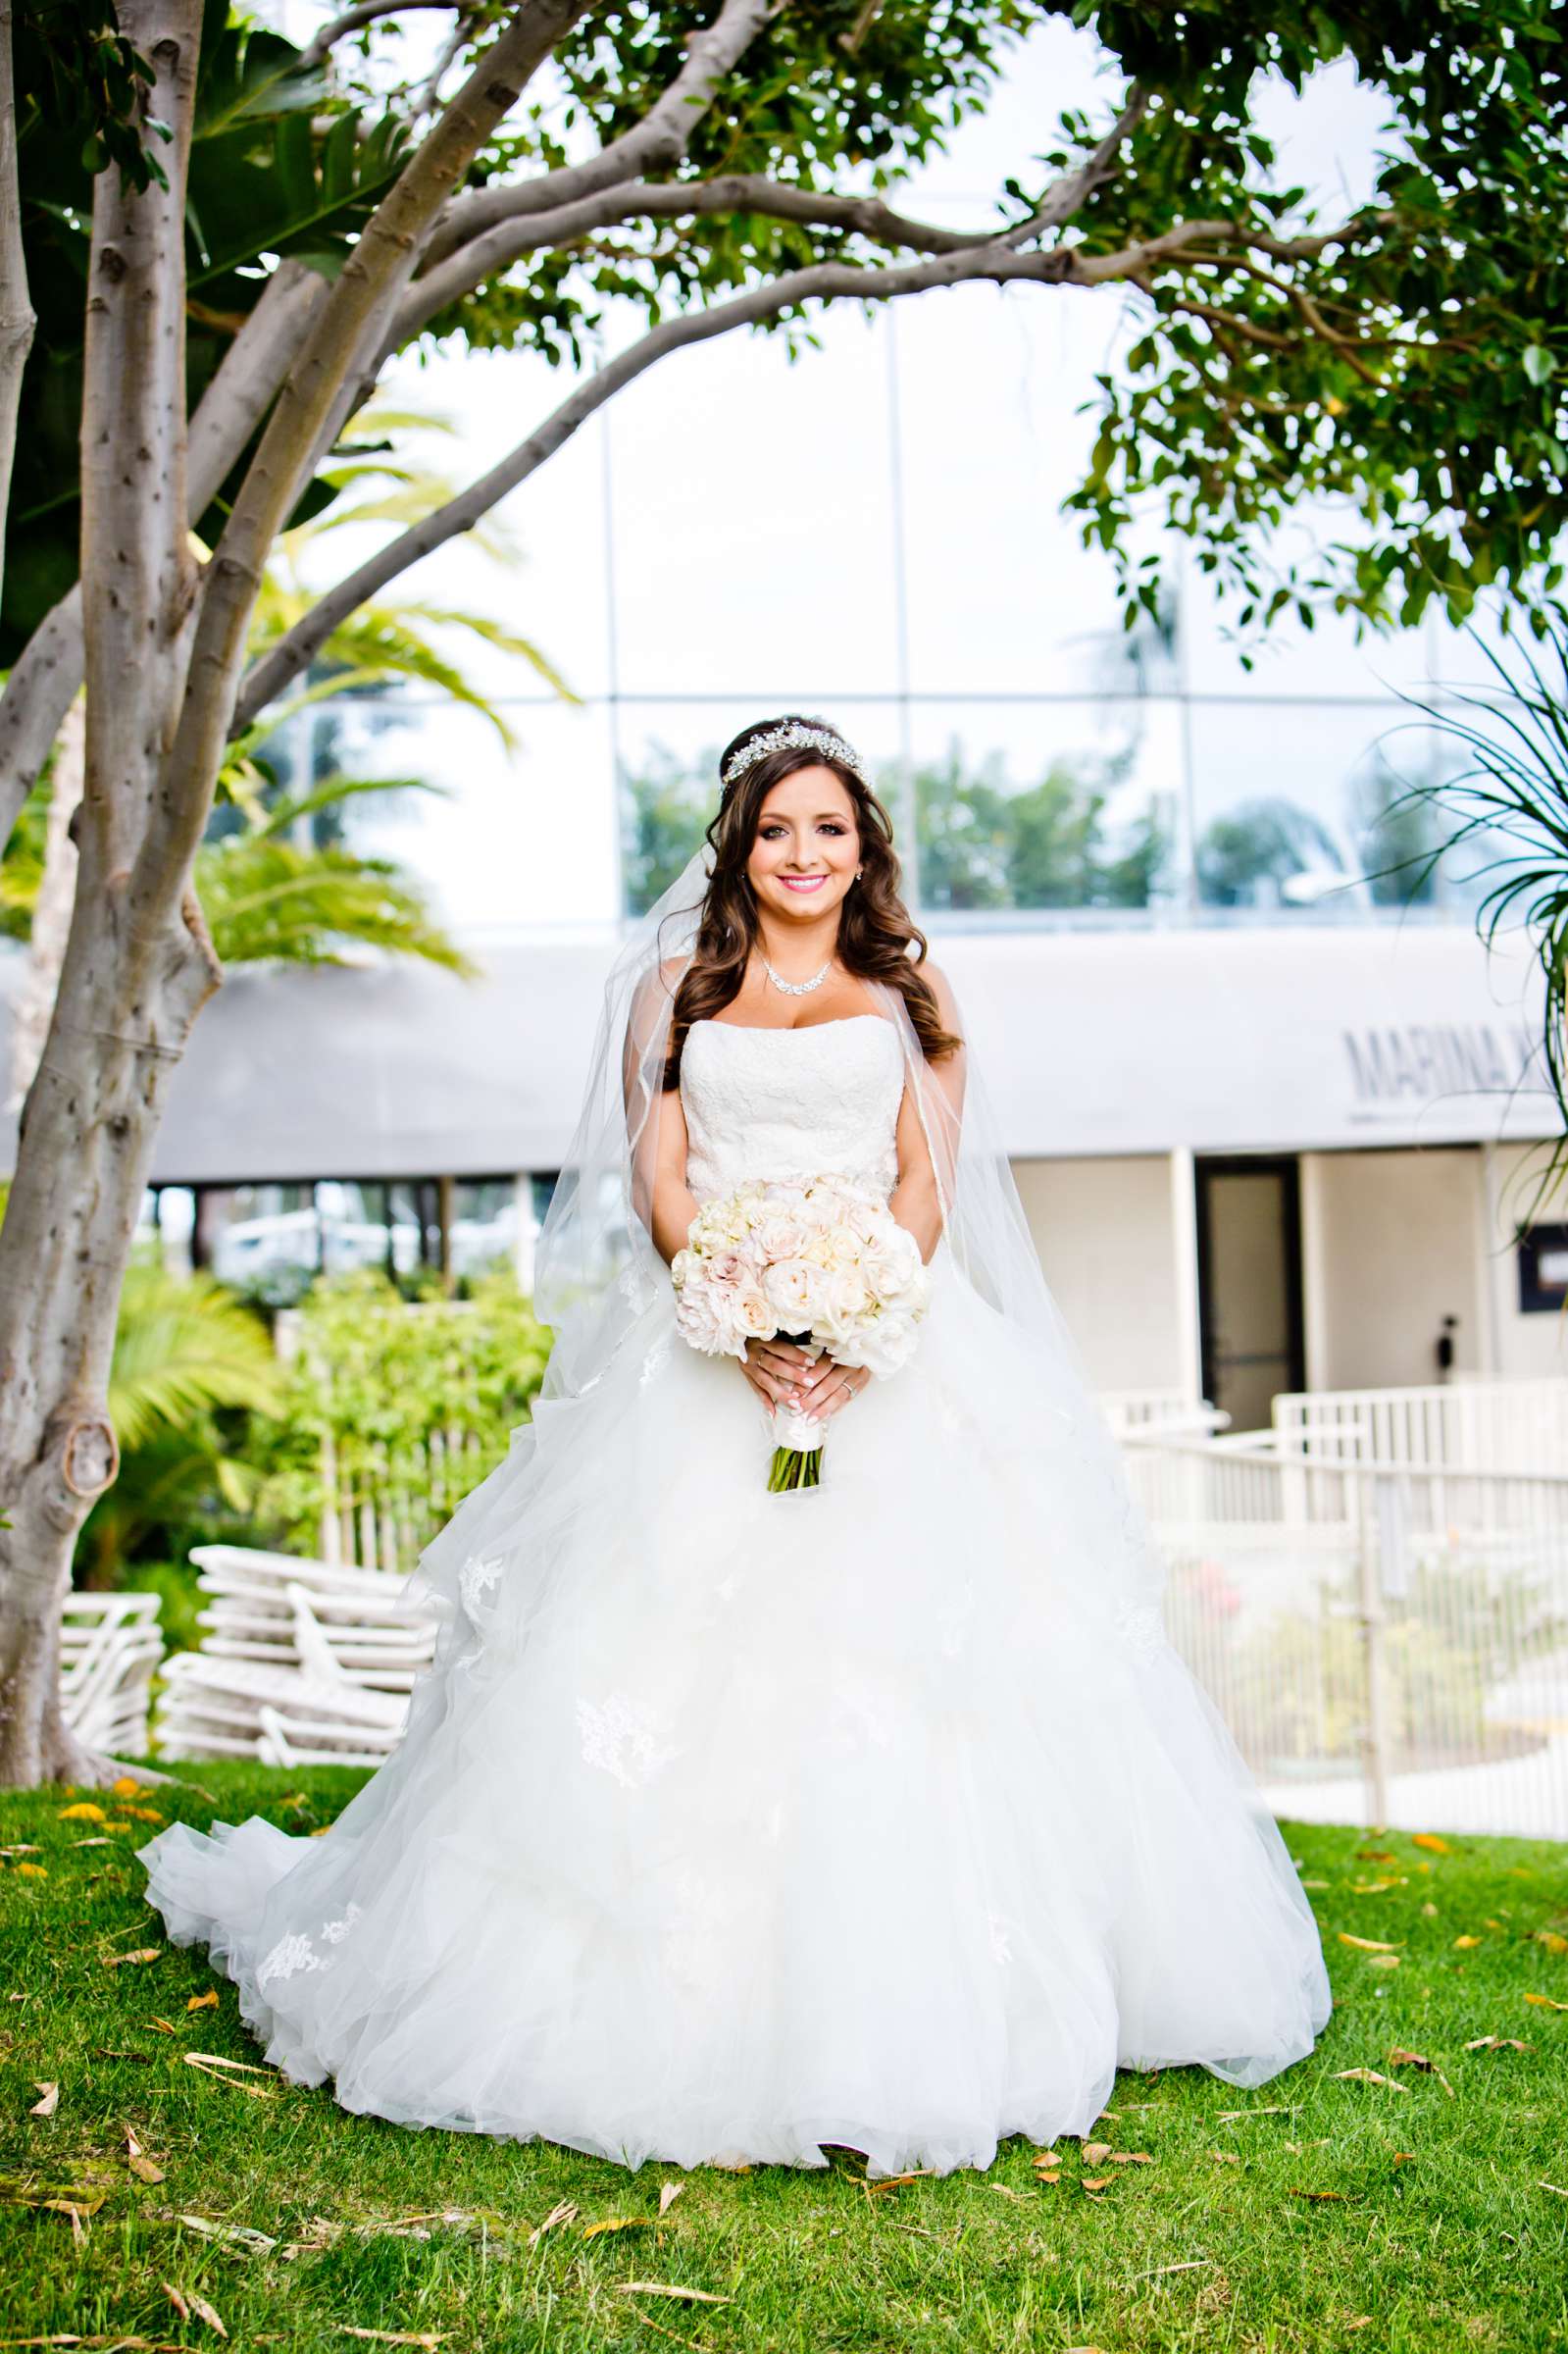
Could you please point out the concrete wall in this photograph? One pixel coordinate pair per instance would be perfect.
(1537, 1343)
(1104, 1233)
(1391, 1244)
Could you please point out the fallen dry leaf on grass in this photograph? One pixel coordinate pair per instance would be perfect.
(1369, 1945)
(1095, 2181)
(1276, 2108)
(140, 2164)
(1496, 2043)
(618, 2223)
(669, 2193)
(1376, 1854)
(190, 2301)
(204, 2002)
(1095, 2151)
(1463, 1944)
(1005, 2190)
(1297, 2193)
(393, 2338)
(215, 2065)
(1438, 1846)
(1227, 2157)
(1370, 2075)
(139, 1953)
(50, 2101)
(668, 2288)
(1547, 2002)
(1130, 2158)
(1383, 1961)
(240, 2234)
(896, 2182)
(84, 1812)
(1553, 1943)
(1398, 2057)
(33, 1872)
(566, 2213)
(164, 2026)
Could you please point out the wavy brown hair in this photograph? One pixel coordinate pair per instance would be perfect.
(878, 939)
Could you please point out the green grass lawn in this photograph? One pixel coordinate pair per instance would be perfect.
(1320, 2211)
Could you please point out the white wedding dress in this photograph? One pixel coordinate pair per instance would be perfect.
(731, 1825)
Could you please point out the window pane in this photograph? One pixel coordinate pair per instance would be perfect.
(1300, 809)
(262, 1239)
(484, 1224)
(1069, 808)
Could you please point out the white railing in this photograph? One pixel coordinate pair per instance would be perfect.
(1472, 1425)
(1128, 1412)
(1387, 1643)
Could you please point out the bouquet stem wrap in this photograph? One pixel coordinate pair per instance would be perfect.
(797, 1448)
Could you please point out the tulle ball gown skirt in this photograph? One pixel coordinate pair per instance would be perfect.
(732, 1824)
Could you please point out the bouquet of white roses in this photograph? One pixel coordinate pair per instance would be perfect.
(821, 1261)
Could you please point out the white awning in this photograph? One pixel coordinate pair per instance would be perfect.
(1094, 1042)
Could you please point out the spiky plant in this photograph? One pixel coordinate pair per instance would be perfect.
(1509, 802)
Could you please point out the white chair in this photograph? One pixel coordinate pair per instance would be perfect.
(110, 1644)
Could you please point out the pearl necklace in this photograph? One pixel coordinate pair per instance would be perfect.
(797, 989)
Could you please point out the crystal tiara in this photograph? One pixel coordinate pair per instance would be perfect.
(785, 738)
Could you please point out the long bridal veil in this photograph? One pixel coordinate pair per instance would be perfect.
(599, 1280)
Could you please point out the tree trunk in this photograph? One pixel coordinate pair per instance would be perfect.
(137, 962)
(51, 910)
(17, 321)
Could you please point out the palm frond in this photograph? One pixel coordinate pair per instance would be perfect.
(267, 900)
(183, 1346)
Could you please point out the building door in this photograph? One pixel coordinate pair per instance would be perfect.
(1250, 1285)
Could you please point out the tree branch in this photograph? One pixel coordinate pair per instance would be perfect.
(518, 226)
(658, 143)
(134, 553)
(367, 285)
(1068, 195)
(678, 199)
(975, 264)
(48, 671)
(319, 47)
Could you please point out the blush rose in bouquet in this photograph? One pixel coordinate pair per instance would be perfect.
(818, 1261)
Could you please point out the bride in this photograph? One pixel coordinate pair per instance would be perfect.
(729, 1823)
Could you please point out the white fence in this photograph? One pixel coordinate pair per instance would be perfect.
(1476, 1425)
(1386, 1641)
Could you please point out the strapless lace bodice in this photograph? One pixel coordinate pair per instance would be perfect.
(823, 1099)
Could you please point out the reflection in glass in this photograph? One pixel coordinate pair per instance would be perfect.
(484, 1233)
(263, 1239)
(983, 841)
(1299, 811)
(1071, 810)
(666, 803)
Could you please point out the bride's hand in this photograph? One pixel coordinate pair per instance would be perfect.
(784, 1374)
(779, 1371)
